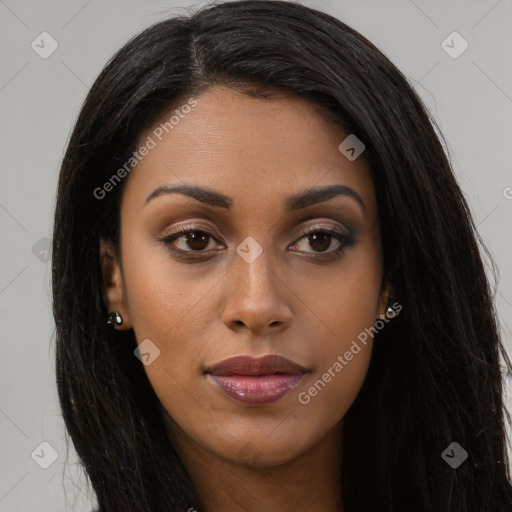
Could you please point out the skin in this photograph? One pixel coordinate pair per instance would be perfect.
(280, 456)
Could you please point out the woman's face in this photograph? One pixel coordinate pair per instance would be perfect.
(247, 281)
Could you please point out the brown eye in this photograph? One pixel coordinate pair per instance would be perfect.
(196, 240)
(193, 240)
(322, 240)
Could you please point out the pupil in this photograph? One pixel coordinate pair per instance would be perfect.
(197, 241)
(321, 238)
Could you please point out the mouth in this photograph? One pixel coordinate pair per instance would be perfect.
(256, 381)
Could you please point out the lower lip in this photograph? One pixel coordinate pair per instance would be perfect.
(256, 390)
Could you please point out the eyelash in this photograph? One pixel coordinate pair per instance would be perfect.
(344, 240)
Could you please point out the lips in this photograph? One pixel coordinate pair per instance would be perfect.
(256, 381)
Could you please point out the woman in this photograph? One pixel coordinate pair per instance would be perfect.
(268, 289)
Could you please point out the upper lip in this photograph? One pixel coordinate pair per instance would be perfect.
(247, 365)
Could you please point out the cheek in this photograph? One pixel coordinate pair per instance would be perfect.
(167, 308)
(330, 392)
(343, 357)
(345, 302)
(160, 293)
(347, 308)
(170, 309)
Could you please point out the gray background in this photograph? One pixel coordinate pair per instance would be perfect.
(470, 97)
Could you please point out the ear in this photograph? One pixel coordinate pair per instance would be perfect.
(113, 289)
(388, 295)
(385, 299)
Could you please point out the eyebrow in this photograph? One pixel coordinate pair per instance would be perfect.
(294, 202)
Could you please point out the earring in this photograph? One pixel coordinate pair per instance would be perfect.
(390, 312)
(114, 319)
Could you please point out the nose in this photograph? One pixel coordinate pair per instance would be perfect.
(256, 297)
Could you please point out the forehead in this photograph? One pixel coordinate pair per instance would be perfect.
(250, 148)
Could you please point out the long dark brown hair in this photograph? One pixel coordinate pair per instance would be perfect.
(435, 373)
